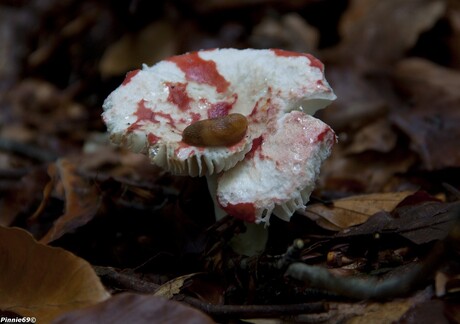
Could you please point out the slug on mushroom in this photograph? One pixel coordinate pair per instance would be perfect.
(242, 118)
(220, 131)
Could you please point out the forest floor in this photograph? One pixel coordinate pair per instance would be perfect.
(90, 231)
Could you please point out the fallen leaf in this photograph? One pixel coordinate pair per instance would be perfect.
(148, 46)
(290, 32)
(422, 80)
(420, 223)
(430, 311)
(375, 312)
(81, 199)
(359, 99)
(346, 212)
(432, 121)
(173, 286)
(377, 136)
(424, 222)
(43, 281)
(385, 312)
(135, 308)
(366, 172)
(376, 33)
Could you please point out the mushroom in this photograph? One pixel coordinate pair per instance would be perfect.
(242, 118)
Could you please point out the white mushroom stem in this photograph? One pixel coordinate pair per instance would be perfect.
(253, 240)
(212, 187)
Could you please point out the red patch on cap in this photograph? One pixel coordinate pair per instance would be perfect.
(322, 136)
(243, 211)
(261, 106)
(129, 76)
(178, 95)
(152, 138)
(320, 83)
(195, 117)
(256, 144)
(142, 113)
(255, 109)
(146, 114)
(219, 109)
(314, 62)
(201, 71)
(222, 108)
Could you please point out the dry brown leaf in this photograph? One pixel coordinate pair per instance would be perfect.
(430, 311)
(420, 221)
(290, 32)
(355, 210)
(359, 99)
(377, 136)
(390, 311)
(150, 45)
(379, 32)
(81, 199)
(173, 286)
(135, 308)
(366, 172)
(432, 121)
(385, 312)
(424, 80)
(43, 281)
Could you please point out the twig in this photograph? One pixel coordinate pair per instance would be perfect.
(321, 278)
(126, 281)
(236, 311)
(253, 311)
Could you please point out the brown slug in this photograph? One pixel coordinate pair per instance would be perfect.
(220, 131)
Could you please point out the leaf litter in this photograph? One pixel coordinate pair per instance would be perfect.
(387, 196)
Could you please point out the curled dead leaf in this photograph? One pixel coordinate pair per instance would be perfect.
(420, 218)
(43, 281)
(81, 199)
(355, 210)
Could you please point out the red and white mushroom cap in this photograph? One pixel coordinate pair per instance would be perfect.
(272, 165)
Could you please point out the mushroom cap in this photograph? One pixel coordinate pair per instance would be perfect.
(149, 111)
(279, 173)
